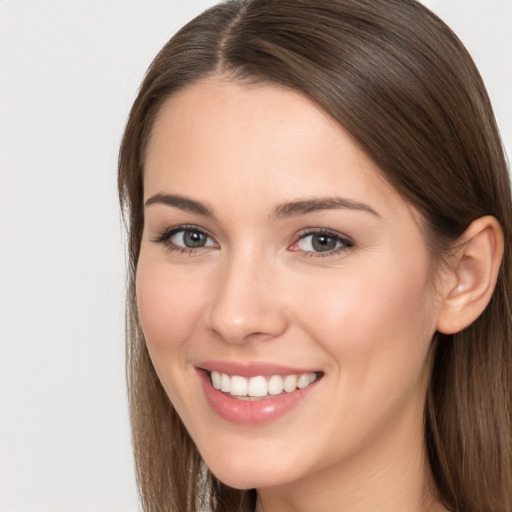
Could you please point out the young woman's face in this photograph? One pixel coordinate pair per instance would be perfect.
(275, 256)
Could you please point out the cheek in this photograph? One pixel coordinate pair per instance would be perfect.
(376, 328)
(373, 318)
(168, 304)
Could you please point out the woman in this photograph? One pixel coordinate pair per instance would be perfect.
(319, 219)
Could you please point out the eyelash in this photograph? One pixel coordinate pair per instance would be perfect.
(165, 236)
(345, 242)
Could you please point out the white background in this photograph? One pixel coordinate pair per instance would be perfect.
(69, 72)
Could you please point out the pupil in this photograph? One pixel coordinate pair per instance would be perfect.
(194, 239)
(324, 243)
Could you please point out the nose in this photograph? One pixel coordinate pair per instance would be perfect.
(245, 303)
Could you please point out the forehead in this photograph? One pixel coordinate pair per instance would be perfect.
(255, 142)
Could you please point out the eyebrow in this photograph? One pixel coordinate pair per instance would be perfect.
(180, 202)
(289, 209)
(323, 203)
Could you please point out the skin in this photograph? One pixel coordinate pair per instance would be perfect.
(363, 314)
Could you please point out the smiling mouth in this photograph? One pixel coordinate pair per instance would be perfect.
(260, 387)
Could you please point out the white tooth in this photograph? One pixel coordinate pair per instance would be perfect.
(303, 381)
(257, 386)
(216, 379)
(239, 386)
(312, 377)
(290, 383)
(275, 385)
(225, 383)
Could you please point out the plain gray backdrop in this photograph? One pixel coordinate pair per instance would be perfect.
(69, 72)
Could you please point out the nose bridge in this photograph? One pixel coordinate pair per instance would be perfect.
(245, 302)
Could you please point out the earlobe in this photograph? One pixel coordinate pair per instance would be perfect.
(473, 273)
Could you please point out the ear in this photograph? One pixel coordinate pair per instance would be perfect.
(471, 274)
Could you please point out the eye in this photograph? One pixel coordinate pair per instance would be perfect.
(191, 239)
(320, 242)
(185, 239)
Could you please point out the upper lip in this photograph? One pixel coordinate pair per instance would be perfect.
(252, 369)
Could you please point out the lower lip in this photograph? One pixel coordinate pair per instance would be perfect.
(251, 412)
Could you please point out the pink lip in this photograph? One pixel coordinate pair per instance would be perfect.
(251, 412)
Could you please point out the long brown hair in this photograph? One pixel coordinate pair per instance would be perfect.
(398, 79)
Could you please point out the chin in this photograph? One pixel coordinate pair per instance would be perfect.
(244, 475)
